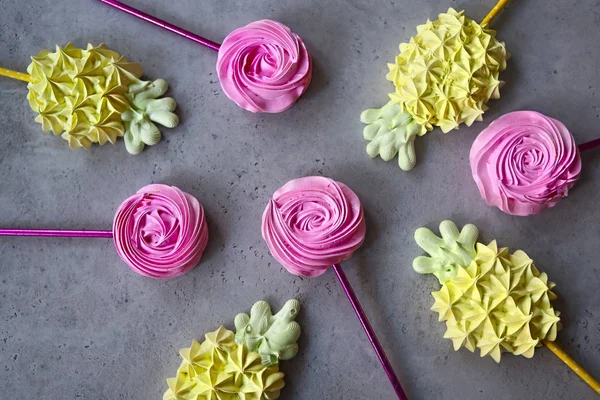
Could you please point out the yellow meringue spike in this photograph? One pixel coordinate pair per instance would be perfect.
(578, 369)
(9, 73)
(494, 12)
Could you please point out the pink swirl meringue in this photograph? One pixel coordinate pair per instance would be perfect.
(525, 162)
(312, 223)
(264, 67)
(160, 231)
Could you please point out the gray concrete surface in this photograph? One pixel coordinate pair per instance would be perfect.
(75, 322)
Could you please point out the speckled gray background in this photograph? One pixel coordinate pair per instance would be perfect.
(75, 322)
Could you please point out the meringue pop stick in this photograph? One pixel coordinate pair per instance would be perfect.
(9, 73)
(575, 367)
(163, 24)
(56, 233)
(592, 144)
(314, 223)
(494, 11)
(364, 321)
(159, 232)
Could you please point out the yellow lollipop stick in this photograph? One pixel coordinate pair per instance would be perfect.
(495, 11)
(14, 74)
(578, 369)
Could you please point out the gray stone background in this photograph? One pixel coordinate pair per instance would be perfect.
(77, 323)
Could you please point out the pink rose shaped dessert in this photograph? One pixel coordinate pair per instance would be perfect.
(264, 67)
(160, 231)
(312, 223)
(525, 162)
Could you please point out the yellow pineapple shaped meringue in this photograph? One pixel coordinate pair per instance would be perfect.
(223, 367)
(443, 76)
(94, 95)
(490, 299)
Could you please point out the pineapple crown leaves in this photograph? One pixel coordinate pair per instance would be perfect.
(146, 110)
(446, 254)
(274, 337)
(490, 299)
(391, 131)
(84, 94)
(224, 367)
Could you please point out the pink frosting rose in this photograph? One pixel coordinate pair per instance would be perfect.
(525, 162)
(160, 231)
(264, 67)
(312, 223)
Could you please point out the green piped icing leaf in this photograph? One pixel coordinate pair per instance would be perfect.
(493, 300)
(274, 337)
(146, 109)
(391, 131)
(448, 253)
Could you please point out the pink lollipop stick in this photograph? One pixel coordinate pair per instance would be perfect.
(56, 233)
(163, 24)
(364, 321)
(589, 145)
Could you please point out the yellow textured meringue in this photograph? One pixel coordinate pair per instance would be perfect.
(446, 73)
(81, 93)
(490, 299)
(220, 369)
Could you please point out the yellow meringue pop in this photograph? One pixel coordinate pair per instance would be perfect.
(490, 299)
(241, 366)
(94, 95)
(443, 76)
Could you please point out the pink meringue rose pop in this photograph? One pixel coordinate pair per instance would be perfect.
(264, 67)
(525, 162)
(312, 223)
(160, 231)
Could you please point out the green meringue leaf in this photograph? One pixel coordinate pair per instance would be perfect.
(274, 337)
(165, 118)
(145, 106)
(391, 132)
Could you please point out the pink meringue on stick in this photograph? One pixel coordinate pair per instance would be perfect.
(525, 162)
(160, 232)
(313, 223)
(262, 67)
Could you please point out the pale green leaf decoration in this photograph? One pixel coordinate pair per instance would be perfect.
(146, 109)
(274, 337)
(391, 131)
(448, 253)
